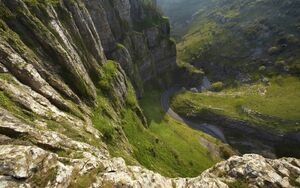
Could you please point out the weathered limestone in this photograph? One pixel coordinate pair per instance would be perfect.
(29, 162)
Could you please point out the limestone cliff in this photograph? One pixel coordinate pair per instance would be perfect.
(55, 76)
(137, 36)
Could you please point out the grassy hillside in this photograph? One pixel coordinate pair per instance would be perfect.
(165, 146)
(182, 13)
(275, 105)
(236, 39)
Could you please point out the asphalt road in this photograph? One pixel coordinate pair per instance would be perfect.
(207, 128)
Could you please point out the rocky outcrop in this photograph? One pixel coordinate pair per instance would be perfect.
(32, 166)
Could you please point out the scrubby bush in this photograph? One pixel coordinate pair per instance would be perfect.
(239, 183)
(39, 2)
(281, 62)
(120, 46)
(262, 68)
(295, 69)
(292, 39)
(131, 97)
(252, 31)
(274, 50)
(217, 86)
(108, 134)
(226, 152)
(109, 73)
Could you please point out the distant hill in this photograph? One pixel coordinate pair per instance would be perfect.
(238, 39)
(181, 12)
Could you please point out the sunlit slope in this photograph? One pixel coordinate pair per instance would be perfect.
(275, 106)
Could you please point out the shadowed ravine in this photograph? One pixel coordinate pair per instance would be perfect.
(207, 128)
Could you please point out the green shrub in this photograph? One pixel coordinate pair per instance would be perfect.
(109, 73)
(274, 50)
(85, 180)
(262, 68)
(217, 86)
(108, 134)
(226, 152)
(120, 46)
(238, 184)
(295, 69)
(280, 63)
(5, 12)
(102, 120)
(131, 97)
(37, 2)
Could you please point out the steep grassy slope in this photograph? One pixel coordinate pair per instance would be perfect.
(183, 149)
(168, 147)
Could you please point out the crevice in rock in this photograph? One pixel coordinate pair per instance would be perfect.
(12, 133)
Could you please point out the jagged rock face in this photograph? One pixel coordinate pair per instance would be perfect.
(28, 165)
(140, 31)
(81, 34)
(53, 52)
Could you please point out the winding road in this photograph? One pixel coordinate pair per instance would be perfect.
(207, 128)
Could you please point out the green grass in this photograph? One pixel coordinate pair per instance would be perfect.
(168, 147)
(103, 114)
(190, 68)
(109, 73)
(165, 146)
(42, 180)
(120, 46)
(37, 2)
(228, 36)
(275, 106)
(239, 183)
(8, 104)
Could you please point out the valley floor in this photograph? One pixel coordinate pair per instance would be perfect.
(275, 105)
(271, 108)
